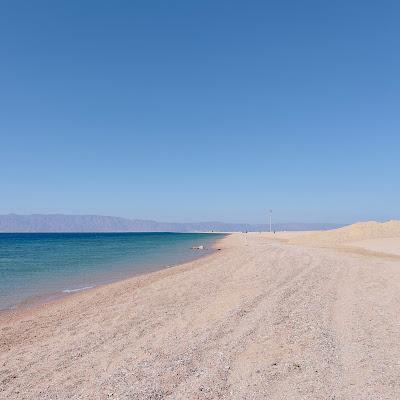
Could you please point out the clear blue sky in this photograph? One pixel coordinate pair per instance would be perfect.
(201, 110)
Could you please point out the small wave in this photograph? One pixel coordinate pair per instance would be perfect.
(77, 290)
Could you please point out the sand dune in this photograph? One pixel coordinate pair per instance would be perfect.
(349, 234)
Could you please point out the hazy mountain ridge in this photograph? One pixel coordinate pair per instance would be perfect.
(99, 223)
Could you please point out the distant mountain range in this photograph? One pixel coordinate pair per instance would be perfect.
(99, 223)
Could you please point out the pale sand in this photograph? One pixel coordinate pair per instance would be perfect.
(389, 246)
(351, 233)
(261, 319)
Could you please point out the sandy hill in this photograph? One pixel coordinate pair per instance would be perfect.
(351, 233)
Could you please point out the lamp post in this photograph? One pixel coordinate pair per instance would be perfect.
(270, 220)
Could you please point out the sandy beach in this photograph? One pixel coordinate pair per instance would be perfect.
(267, 317)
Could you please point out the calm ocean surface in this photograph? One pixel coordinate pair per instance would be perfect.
(41, 266)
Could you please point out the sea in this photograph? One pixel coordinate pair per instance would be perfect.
(38, 267)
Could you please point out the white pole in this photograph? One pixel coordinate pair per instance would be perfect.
(270, 220)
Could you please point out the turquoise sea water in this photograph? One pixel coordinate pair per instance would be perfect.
(39, 266)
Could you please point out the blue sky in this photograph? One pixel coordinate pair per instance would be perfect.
(211, 110)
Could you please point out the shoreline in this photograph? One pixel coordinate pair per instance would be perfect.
(28, 304)
(259, 319)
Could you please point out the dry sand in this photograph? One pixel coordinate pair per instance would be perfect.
(261, 319)
(390, 246)
(351, 233)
